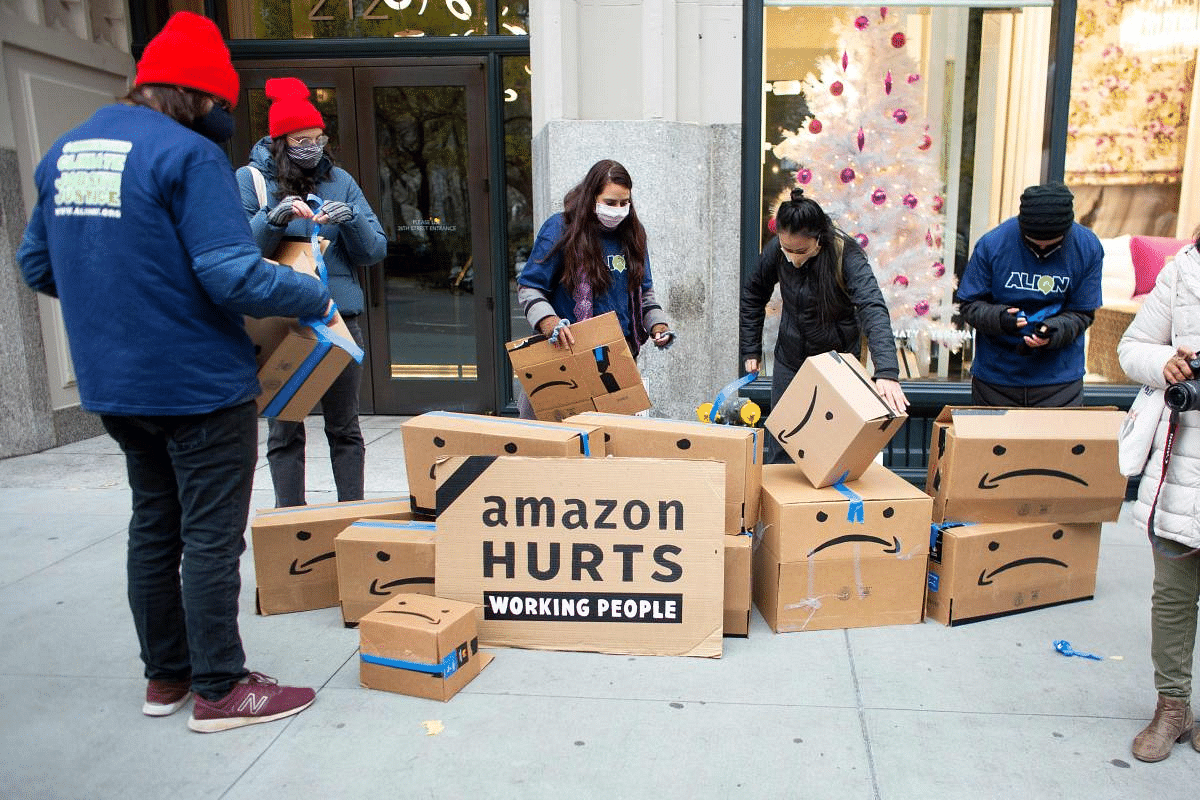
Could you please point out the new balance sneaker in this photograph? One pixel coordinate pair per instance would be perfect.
(166, 697)
(257, 698)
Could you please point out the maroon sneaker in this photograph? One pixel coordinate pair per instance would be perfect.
(166, 697)
(256, 698)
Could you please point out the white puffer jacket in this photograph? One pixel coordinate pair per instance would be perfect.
(1168, 319)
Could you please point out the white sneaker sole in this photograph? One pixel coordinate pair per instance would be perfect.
(229, 723)
(165, 710)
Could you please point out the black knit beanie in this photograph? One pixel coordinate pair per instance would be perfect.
(1047, 212)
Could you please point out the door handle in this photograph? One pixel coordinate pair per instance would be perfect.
(491, 304)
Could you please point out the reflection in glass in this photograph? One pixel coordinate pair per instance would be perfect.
(334, 19)
(421, 139)
(518, 170)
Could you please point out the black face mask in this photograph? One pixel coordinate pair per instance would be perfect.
(217, 125)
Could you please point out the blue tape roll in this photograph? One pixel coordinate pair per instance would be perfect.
(727, 391)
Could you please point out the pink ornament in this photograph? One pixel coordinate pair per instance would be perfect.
(938, 202)
(879, 197)
(938, 269)
(913, 78)
(835, 88)
(929, 238)
(910, 200)
(887, 83)
(900, 281)
(815, 126)
(862, 139)
(771, 225)
(926, 143)
(804, 176)
(898, 40)
(900, 115)
(922, 308)
(861, 23)
(847, 175)
(862, 239)
(883, 12)
(845, 60)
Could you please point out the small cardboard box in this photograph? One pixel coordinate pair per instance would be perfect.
(421, 646)
(840, 557)
(831, 420)
(1026, 465)
(611, 555)
(981, 571)
(738, 570)
(380, 558)
(598, 373)
(739, 448)
(294, 564)
(298, 361)
(438, 434)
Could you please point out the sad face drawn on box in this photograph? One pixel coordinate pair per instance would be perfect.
(298, 568)
(986, 576)
(510, 448)
(989, 481)
(786, 436)
(385, 589)
(889, 546)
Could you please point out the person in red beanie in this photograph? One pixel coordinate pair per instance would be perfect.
(137, 231)
(295, 167)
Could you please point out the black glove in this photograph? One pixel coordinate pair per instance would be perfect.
(1008, 322)
(282, 214)
(337, 211)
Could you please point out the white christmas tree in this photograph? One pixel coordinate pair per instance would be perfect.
(867, 157)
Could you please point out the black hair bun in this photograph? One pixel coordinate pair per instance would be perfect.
(797, 194)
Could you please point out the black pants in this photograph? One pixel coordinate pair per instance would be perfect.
(1054, 395)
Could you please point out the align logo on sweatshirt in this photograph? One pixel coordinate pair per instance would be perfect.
(89, 180)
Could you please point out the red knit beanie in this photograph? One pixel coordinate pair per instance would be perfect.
(189, 51)
(290, 110)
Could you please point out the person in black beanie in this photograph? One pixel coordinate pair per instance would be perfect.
(1030, 290)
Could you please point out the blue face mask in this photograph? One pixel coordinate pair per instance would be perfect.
(216, 125)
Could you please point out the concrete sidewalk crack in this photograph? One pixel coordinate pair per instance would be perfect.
(862, 718)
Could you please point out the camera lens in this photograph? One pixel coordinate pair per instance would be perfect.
(1184, 396)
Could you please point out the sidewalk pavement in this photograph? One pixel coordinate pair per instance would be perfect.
(917, 711)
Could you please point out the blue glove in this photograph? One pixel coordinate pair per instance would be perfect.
(670, 337)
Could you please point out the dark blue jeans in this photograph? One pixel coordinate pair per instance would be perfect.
(191, 478)
(347, 452)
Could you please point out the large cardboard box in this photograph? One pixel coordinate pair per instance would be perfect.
(438, 434)
(420, 646)
(738, 571)
(739, 448)
(294, 564)
(613, 555)
(981, 571)
(597, 374)
(1026, 465)
(298, 361)
(377, 559)
(840, 557)
(831, 420)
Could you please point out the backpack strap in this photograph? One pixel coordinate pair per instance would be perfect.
(260, 185)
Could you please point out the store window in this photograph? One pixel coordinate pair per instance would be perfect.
(916, 128)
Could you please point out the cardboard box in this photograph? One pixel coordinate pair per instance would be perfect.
(420, 646)
(438, 434)
(981, 571)
(612, 555)
(597, 374)
(1026, 465)
(294, 564)
(738, 570)
(740, 449)
(840, 557)
(298, 361)
(831, 420)
(377, 559)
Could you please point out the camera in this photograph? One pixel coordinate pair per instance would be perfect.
(1185, 395)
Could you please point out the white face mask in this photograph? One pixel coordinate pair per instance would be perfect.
(611, 216)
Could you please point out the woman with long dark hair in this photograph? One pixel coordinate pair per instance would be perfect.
(589, 259)
(830, 299)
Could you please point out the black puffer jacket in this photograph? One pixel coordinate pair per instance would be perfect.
(801, 334)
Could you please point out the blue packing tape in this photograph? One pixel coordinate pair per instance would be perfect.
(326, 341)
(854, 513)
(444, 668)
(315, 204)
(583, 435)
(408, 525)
(728, 390)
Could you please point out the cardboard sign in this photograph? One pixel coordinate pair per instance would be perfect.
(981, 571)
(738, 570)
(420, 646)
(831, 420)
(840, 557)
(740, 449)
(377, 559)
(438, 434)
(1026, 465)
(294, 564)
(607, 555)
(598, 373)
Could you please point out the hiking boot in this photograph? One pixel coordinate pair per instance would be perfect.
(1173, 722)
(256, 698)
(164, 698)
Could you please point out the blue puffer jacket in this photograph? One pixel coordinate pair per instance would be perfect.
(357, 243)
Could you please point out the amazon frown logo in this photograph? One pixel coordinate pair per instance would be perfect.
(889, 546)
(385, 589)
(298, 568)
(994, 481)
(785, 436)
(987, 577)
(571, 384)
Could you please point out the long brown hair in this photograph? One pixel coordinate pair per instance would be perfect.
(291, 179)
(580, 242)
